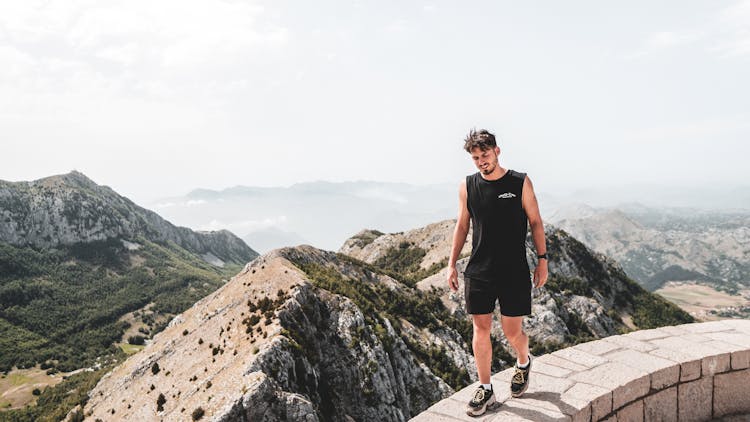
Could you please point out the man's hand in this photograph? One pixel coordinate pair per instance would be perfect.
(540, 273)
(453, 278)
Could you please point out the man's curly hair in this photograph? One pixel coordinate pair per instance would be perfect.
(482, 139)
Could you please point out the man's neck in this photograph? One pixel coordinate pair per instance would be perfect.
(496, 174)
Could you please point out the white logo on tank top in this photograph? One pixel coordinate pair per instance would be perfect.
(506, 195)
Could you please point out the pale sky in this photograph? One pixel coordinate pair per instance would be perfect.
(155, 98)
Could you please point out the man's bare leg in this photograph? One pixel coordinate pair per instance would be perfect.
(512, 328)
(482, 346)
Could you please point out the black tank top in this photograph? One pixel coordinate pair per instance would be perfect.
(499, 226)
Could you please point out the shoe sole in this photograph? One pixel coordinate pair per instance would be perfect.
(520, 393)
(481, 411)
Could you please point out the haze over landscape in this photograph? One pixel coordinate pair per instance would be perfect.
(158, 100)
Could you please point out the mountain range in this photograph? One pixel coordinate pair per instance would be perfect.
(324, 214)
(298, 333)
(368, 333)
(673, 244)
(83, 270)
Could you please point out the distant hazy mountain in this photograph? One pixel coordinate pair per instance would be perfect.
(708, 197)
(323, 214)
(267, 239)
(656, 245)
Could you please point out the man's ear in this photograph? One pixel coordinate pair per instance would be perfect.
(497, 151)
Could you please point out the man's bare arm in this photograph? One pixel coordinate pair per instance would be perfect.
(531, 207)
(459, 236)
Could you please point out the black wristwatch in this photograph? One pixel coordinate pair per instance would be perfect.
(542, 256)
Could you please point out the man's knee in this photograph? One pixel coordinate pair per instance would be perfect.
(482, 324)
(512, 328)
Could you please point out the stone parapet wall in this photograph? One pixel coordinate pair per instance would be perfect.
(691, 372)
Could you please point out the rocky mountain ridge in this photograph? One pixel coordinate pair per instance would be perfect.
(307, 334)
(588, 294)
(273, 345)
(657, 246)
(71, 208)
(87, 276)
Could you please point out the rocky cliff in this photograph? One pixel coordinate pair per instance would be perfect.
(71, 208)
(281, 342)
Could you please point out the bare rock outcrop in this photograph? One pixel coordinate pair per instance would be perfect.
(71, 208)
(272, 345)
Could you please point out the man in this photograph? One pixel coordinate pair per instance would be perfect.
(499, 203)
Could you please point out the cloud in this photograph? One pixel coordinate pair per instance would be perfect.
(382, 194)
(726, 33)
(82, 65)
(658, 42)
(735, 28)
(246, 226)
(132, 48)
(171, 33)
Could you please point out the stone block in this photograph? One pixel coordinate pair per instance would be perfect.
(731, 337)
(705, 327)
(695, 338)
(630, 343)
(693, 399)
(674, 331)
(551, 370)
(664, 372)
(579, 357)
(732, 393)
(715, 364)
(631, 413)
(714, 358)
(600, 398)
(690, 363)
(661, 406)
(428, 416)
(740, 360)
(561, 363)
(584, 415)
(503, 415)
(596, 347)
(627, 384)
(741, 325)
(644, 335)
(523, 408)
(737, 344)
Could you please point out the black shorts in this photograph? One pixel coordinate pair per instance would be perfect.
(513, 294)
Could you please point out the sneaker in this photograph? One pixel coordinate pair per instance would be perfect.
(520, 381)
(481, 400)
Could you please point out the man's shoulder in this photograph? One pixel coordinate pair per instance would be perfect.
(470, 177)
(517, 174)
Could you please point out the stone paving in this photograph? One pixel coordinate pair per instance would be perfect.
(691, 372)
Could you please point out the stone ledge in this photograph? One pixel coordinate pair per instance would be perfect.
(691, 372)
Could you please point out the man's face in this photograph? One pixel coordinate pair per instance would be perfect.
(485, 160)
